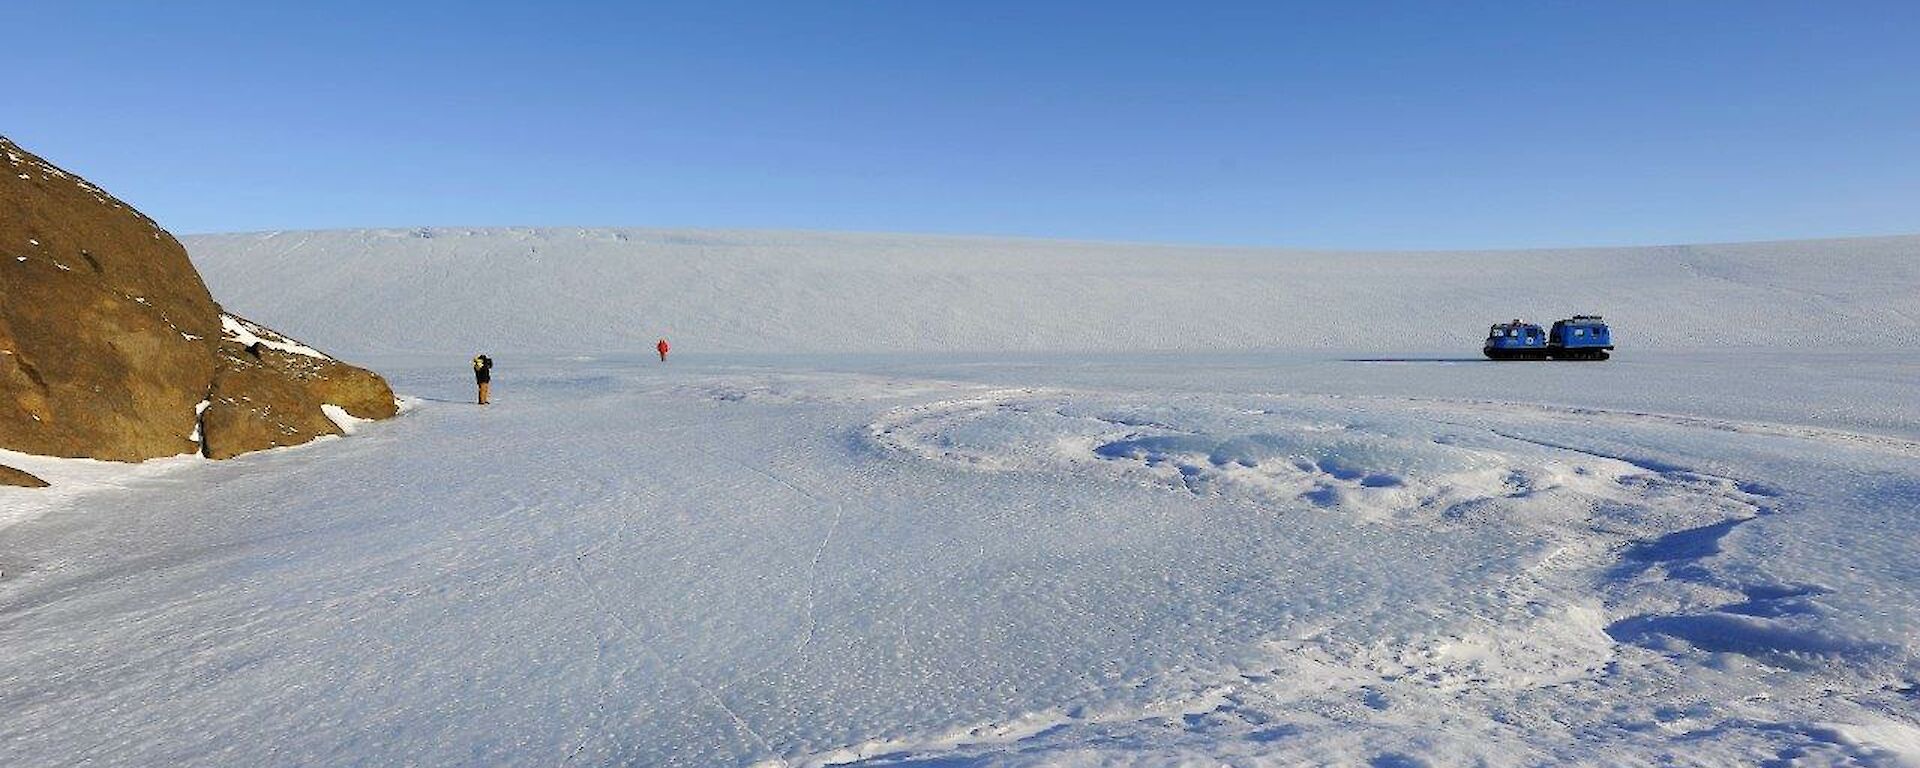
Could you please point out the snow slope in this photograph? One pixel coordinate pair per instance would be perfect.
(592, 290)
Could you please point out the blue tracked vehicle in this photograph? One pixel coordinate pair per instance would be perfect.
(1581, 337)
(1516, 341)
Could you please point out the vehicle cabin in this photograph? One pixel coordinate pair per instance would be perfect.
(1516, 340)
(1581, 332)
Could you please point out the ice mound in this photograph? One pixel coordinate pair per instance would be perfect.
(1286, 453)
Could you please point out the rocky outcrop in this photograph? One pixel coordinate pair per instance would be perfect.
(105, 327)
(15, 477)
(271, 391)
(110, 342)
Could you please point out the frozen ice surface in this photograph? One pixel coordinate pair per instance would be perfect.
(1043, 560)
(1701, 552)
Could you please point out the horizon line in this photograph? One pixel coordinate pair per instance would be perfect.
(1054, 239)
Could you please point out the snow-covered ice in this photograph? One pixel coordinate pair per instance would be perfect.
(1041, 560)
(841, 542)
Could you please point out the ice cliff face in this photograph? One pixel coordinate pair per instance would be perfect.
(110, 342)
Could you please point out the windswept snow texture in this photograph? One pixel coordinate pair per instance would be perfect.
(592, 291)
(890, 562)
(1374, 549)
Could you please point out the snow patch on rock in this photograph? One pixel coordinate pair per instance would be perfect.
(246, 333)
(347, 422)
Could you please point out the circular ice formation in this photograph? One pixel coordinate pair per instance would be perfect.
(1360, 458)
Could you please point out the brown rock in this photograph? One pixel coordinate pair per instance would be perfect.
(269, 393)
(11, 476)
(106, 331)
(109, 340)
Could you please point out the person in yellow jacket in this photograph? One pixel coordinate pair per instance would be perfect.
(483, 376)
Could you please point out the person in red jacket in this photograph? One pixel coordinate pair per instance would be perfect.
(663, 346)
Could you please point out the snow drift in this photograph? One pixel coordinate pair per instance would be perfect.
(595, 290)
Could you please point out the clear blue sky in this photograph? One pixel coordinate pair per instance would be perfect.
(1332, 124)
